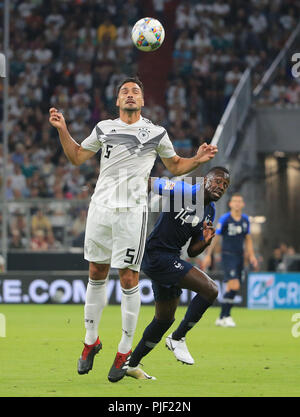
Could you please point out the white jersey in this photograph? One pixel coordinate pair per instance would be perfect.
(128, 155)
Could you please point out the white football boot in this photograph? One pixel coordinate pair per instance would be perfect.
(180, 350)
(138, 373)
(229, 322)
(220, 322)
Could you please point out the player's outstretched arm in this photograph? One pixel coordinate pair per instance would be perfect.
(180, 166)
(73, 151)
(168, 188)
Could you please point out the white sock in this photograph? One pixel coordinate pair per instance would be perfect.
(130, 307)
(95, 301)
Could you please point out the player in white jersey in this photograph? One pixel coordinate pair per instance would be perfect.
(117, 217)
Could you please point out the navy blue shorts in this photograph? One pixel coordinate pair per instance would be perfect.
(233, 266)
(165, 269)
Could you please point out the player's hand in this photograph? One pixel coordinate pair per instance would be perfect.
(56, 118)
(208, 232)
(253, 261)
(205, 153)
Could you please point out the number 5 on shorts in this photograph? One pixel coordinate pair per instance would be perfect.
(129, 256)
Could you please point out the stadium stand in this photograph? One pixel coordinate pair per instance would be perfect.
(72, 54)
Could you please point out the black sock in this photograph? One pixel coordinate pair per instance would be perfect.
(151, 336)
(195, 310)
(227, 304)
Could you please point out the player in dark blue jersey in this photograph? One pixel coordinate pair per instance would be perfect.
(169, 273)
(234, 228)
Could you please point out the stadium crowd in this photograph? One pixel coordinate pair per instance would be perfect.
(71, 54)
(214, 43)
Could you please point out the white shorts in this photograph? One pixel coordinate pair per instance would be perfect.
(116, 236)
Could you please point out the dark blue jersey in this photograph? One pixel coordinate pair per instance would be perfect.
(233, 233)
(174, 228)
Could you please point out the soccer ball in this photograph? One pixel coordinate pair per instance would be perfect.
(148, 34)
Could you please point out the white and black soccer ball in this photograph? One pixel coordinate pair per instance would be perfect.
(148, 34)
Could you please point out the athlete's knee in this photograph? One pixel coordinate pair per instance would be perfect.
(233, 284)
(165, 310)
(165, 316)
(128, 278)
(98, 271)
(211, 290)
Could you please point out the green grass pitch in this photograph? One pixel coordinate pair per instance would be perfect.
(258, 358)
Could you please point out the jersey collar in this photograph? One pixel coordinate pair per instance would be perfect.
(132, 124)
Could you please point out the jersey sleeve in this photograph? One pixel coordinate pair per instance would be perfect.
(165, 147)
(166, 187)
(93, 142)
(248, 223)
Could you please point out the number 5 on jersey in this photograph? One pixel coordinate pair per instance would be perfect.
(108, 149)
(130, 256)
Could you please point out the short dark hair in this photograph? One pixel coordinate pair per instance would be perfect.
(218, 168)
(236, 195)
(135, 80)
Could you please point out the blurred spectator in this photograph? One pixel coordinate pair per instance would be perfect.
(84, 193)
(18, 155)
(275, 260)
(185, 16)
(19, 224)
(278, 262)
(2, 264)
(78, 225)
(27, 167)
(53, 243)
(9, 191)
(258, 21)
(106, 30)
(292, 93)
(39, 240)
(84, 77)
(123, 39)
(201, 40)
(58, 213)
(290, 251)
(283, 248)
(159, 6)
(288, 20)
(16, 240)
(232, 79)
(183, 144)
(48, 167)
(41, 222)
(78, 229)
(278, 87)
